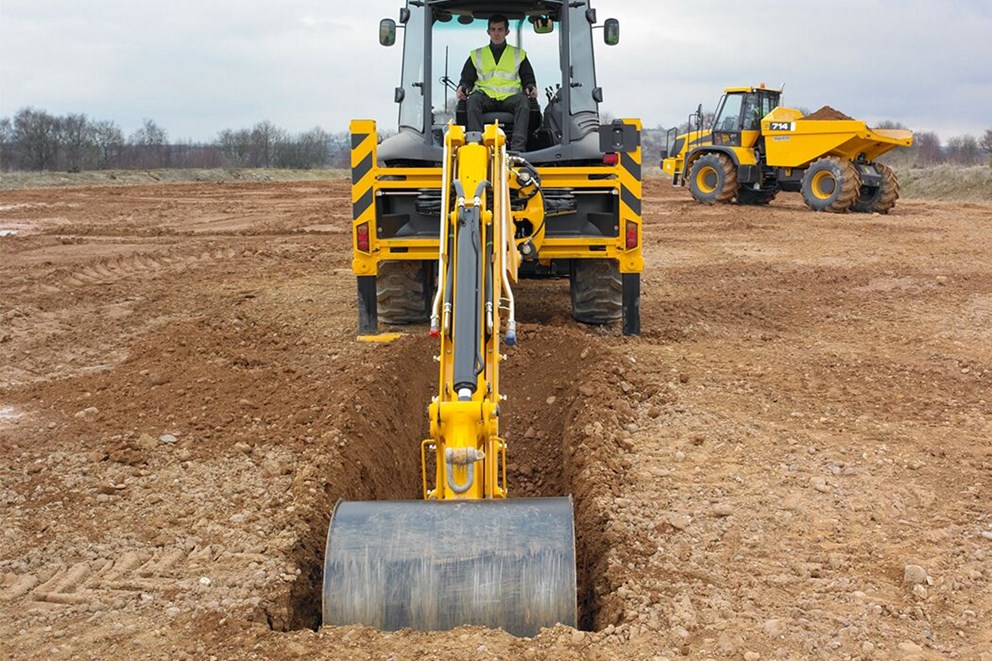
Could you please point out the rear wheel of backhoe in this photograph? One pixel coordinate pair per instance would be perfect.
(831, 184)
(597, 291)
(403, 292)
(437, 565)
(881, 198)
(713, 178)
(751, 196)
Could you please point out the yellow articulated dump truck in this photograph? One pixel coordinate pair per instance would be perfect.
(448, 218)
(755, 148)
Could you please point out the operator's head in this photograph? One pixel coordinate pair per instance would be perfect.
(499, 26)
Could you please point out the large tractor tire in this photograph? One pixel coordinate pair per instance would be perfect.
(597, 291)
(831, 184)
(713, 178)
(403, 292)
(882, 198)
(751, 196)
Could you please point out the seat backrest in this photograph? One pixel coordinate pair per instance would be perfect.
(505, 119)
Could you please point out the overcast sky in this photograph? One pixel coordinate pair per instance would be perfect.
(199, 67)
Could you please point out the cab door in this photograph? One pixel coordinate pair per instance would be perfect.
(727, 122)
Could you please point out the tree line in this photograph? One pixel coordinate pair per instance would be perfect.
(37, 140)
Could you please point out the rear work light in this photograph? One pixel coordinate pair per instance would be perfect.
(631, 235)
(611, 159)
(362, 234)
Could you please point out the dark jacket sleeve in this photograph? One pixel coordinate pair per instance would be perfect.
(469, 75)
(527, 77)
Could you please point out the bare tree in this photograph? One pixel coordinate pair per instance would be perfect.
(986, 144)
(37, 136)
(150, 144)
(264, 138)
(890, 124)
(963, 150)
(313, 145)
(928, 149)
(6, 143)
(235, 146)
(109, 140)
(77, 141)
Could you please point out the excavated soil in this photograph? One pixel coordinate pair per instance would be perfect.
(828, 113)
(794, 460)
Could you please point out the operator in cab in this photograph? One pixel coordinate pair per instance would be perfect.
(498, 78)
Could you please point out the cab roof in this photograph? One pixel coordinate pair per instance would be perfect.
(512, 9)
(736, 90)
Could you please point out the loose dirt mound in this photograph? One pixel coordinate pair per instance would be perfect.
(792, 461)
(827, 113)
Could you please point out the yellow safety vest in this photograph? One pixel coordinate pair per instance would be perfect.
(498, 80)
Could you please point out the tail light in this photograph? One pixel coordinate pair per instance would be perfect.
(611, 159)
(631, 235)
(362, 234)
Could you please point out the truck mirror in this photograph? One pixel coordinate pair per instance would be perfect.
(611, 32)
(387, 32)
(543, 25)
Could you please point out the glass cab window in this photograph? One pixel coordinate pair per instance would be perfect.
(728, 116)
(454, 40)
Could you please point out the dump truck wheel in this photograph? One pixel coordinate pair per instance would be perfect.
(597, 291)
(402, 292)
(831, 184)
(751, 196)
(882, 198)
(713, 178)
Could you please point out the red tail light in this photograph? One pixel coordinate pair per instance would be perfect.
(611, 159)
(362, 234)
(631, 237)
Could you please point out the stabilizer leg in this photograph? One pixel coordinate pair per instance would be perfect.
(631, 303)
(368, 311)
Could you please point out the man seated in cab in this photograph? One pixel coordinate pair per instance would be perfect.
(500, 79)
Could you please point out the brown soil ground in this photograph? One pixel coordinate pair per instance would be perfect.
(805, 417)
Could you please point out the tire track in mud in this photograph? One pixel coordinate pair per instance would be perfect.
(110, 270)
(94, 582)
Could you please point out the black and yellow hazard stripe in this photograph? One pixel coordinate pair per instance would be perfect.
(363, 144)
(630, 186)
(630, 179)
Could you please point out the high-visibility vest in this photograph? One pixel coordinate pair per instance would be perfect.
(499, 80)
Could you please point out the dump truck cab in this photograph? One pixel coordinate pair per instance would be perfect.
(735, 130)
(583, 218)
(737, 122)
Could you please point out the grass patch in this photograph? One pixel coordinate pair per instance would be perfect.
(15, 180)
(947, 182)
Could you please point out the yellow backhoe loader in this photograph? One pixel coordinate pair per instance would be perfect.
(755, 148)
(446, 223)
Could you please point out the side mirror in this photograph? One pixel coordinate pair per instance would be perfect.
(611, 32)
(387, 32)
(543, 25)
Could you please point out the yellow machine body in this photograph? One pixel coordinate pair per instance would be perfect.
(464, 554)
(749, 156)
(371, 181)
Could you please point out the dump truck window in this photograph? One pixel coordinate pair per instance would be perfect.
(729, 117)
